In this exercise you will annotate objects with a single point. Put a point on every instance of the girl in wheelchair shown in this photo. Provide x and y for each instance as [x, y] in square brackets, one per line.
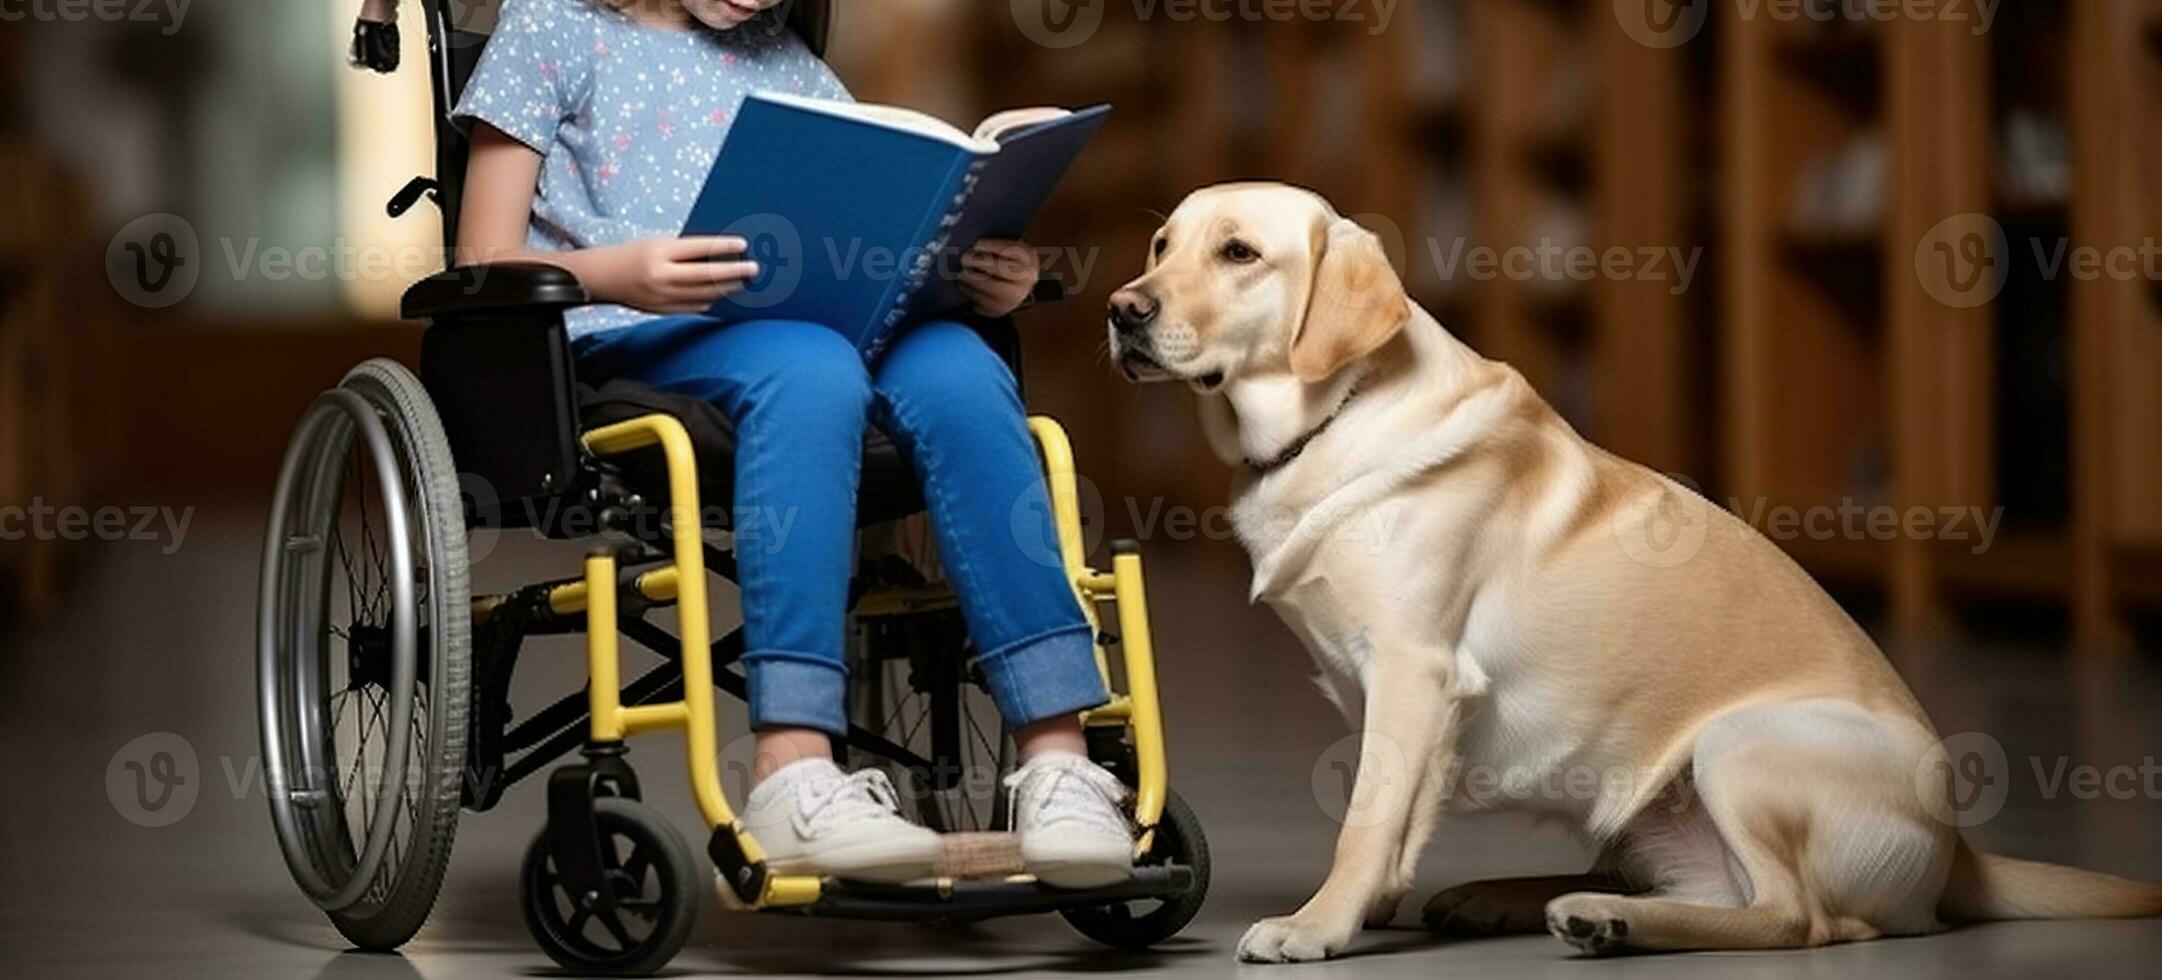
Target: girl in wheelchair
[593, 122]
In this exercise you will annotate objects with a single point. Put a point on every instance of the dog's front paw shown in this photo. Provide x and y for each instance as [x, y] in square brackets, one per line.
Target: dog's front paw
[1291, 939]
[1593, 923]
[1382, 910]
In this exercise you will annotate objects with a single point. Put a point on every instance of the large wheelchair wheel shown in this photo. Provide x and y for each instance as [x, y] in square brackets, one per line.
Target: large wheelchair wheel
[363, 645]
[652, 901]
[919, 688]
[1141, 924]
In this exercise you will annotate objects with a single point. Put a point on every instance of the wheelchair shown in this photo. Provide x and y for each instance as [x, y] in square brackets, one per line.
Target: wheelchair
[385, 685]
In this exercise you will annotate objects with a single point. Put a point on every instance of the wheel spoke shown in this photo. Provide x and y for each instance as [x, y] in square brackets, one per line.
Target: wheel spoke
[352, 578]
[615, 928]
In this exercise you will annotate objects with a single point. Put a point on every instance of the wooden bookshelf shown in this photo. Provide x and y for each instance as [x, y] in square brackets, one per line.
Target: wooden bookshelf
[1812, 362]
[1843, 384]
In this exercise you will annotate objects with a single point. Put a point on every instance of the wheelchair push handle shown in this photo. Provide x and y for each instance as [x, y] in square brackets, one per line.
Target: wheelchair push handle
[375, 37]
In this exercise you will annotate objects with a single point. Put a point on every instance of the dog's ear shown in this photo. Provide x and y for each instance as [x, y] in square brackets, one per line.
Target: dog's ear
[1358, 304]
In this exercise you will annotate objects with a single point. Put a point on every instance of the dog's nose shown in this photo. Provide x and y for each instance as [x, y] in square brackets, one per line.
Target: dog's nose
[1132, 310]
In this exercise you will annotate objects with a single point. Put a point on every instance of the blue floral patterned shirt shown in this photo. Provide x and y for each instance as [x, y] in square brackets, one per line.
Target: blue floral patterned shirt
[627, 117]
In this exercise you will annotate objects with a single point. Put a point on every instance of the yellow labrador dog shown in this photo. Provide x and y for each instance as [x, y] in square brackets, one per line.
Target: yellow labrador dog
[1515, 618]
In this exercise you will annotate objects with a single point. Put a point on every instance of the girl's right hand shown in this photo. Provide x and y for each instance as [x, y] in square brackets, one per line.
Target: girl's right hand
[668, 275]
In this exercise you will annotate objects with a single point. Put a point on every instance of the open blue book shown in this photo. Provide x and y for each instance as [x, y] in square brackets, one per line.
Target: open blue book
[858, 214]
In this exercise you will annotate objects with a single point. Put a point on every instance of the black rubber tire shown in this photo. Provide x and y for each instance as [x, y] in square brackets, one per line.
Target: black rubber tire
[1179, 840]
[390, 385]
[394, 908]
[674, 909]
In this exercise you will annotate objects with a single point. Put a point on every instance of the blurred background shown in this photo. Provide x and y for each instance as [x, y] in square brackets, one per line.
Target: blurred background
[1881, 279]
[1825, 259]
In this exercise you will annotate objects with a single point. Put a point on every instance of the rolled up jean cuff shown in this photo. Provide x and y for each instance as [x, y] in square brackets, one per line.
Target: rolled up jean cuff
[796, 690]
[1044, 676]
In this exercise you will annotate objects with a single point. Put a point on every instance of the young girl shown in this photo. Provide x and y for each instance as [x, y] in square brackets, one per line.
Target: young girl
[594, 123]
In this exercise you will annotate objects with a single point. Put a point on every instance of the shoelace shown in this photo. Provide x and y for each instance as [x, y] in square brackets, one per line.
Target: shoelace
[864, 795]
[1077, 791]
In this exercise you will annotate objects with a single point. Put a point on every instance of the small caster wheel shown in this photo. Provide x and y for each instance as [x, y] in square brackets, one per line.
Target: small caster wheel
[1141, 924]
[651, 878]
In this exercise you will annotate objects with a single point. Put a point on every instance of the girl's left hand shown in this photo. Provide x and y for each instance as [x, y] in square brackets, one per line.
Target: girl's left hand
[999, 275]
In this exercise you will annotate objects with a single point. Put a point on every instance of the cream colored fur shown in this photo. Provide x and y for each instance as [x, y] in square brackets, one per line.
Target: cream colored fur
[1490, 597]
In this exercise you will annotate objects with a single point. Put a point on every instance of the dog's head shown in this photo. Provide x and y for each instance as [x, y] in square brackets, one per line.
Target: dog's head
[1248, 280]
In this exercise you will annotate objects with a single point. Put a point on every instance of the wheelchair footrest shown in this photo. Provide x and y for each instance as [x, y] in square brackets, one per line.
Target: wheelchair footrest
[979, 855]
[985, 899]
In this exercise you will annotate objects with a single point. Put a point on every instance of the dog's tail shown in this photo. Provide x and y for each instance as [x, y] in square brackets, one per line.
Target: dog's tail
[1985, 887]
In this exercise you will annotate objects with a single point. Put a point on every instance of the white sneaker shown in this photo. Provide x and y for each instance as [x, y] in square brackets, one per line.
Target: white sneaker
[1072, 821]
[813, 819]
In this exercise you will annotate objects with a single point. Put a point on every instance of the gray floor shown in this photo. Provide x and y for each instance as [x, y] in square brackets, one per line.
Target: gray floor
[154, 643]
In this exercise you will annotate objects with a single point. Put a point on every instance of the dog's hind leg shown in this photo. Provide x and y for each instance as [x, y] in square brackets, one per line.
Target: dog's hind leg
[1815, 803]
[1505, 906]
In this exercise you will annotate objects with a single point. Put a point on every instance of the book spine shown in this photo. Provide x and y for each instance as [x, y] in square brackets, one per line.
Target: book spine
[926, 261]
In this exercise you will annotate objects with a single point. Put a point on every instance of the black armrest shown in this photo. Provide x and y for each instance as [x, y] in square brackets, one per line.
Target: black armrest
[508, 287]
[1048, 290]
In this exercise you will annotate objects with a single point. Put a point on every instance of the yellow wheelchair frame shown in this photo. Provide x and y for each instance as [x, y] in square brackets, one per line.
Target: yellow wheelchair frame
[683, 582]
[497, 399]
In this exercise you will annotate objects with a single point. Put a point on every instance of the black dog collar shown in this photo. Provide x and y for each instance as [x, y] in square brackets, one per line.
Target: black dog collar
[1291, 450]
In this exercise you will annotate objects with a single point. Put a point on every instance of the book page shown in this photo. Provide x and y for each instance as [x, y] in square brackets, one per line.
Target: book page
[892, 117]
[1001, 123]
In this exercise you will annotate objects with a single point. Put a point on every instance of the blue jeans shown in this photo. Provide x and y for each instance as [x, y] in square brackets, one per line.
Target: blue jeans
[800, 396]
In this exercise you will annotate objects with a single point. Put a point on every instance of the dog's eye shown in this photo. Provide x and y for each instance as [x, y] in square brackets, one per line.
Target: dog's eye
[1163, 244]
[1240, 252]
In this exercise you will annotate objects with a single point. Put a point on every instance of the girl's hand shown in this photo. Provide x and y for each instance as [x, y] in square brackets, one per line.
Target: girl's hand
[667, 275]
[999, 276]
